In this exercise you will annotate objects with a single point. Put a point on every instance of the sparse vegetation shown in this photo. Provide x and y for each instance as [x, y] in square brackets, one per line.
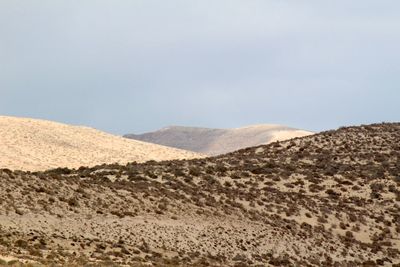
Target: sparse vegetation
[331, 199]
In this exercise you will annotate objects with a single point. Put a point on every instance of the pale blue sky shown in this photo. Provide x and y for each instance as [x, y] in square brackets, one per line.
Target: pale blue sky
[134, 66]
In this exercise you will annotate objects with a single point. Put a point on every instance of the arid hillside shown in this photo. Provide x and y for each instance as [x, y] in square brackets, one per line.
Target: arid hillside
[330, 199]
[214, 142]
[31, 144]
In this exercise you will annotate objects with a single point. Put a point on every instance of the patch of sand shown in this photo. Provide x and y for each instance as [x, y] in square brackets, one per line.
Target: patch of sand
[287, 134]
[32, 144]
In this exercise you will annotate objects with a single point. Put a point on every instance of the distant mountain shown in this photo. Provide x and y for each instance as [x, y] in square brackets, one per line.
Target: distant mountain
[218, 141]
[31, 144]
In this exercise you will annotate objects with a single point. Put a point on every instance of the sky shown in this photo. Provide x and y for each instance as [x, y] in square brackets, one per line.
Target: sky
[139, 65]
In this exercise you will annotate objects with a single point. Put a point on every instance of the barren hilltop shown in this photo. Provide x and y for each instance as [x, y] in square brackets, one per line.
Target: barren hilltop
[214, 142]
[32, 144]
[330, 199]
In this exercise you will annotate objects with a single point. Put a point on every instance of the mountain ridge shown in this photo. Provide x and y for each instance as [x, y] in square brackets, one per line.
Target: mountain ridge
[214, 141]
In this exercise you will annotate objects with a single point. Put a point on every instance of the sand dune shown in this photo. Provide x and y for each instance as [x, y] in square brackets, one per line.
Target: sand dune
[219, 141]
[31, 144]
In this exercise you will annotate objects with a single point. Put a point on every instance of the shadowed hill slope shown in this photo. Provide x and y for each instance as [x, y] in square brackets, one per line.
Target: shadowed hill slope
[330, 199]
[31, 144]
[218, 141]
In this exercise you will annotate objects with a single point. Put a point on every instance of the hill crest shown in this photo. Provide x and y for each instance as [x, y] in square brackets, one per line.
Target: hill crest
[33, 144]
[216, 141]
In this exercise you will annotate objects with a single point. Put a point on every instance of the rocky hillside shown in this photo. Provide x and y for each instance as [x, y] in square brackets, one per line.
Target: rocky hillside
[331, 199]
[218, 141]
[31, 144]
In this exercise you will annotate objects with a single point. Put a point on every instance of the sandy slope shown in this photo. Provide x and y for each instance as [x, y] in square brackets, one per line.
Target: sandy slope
[254, 135]
[219, 141]
[31, 144]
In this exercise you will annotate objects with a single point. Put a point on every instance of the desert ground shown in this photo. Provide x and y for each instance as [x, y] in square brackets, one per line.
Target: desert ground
[329, 199]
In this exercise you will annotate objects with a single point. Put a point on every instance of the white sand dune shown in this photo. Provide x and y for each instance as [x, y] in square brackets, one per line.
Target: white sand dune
[32, 144]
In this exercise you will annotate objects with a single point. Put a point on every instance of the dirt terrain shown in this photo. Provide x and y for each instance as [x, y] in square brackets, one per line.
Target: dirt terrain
[215, 142]
[330, 199]
[37, 145]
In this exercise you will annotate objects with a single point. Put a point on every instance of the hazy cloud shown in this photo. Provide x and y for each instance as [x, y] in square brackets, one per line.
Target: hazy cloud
[133, 66]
